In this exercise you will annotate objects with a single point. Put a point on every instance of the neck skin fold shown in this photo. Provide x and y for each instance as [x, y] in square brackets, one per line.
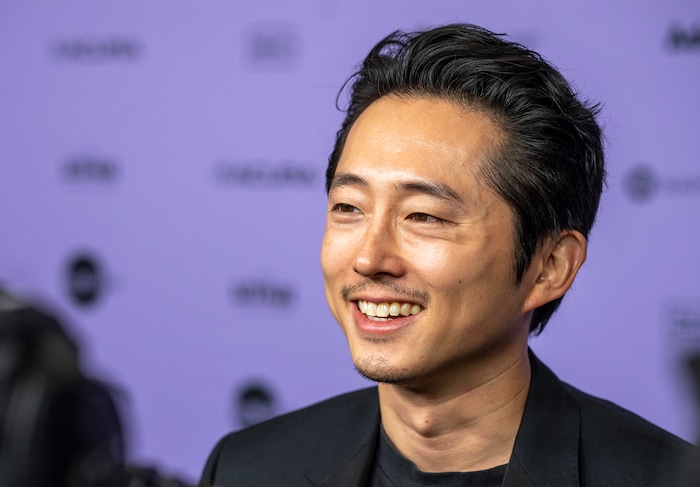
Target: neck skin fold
[466, 426]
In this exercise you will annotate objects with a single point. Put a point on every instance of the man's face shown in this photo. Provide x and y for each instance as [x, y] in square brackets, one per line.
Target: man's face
[417, 254]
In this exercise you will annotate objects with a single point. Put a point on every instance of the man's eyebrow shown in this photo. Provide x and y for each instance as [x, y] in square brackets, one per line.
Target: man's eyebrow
[346, 179]
[431, 188]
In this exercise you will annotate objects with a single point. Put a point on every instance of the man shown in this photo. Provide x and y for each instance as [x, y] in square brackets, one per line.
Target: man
[461, 190]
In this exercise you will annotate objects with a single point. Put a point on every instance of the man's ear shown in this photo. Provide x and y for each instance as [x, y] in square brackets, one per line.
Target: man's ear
[556, 265]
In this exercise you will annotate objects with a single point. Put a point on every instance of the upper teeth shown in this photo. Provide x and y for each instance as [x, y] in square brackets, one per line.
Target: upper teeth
[383, 310]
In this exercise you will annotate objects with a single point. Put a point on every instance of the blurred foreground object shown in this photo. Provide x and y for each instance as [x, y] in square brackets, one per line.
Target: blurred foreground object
[58, 428]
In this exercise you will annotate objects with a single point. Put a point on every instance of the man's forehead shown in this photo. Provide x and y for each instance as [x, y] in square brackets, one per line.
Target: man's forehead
[427, 145]
[428, 120]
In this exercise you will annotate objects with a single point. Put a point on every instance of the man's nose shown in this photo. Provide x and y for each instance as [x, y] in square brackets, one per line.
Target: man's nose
[378, 253]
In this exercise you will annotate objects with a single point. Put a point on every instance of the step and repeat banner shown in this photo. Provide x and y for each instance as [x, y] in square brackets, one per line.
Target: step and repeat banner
[161, 190]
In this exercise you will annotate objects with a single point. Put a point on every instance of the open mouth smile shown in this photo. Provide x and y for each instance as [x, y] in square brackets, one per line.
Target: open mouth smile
[387, 311]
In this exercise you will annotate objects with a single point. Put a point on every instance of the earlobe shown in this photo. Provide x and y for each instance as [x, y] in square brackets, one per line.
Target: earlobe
[561, 258]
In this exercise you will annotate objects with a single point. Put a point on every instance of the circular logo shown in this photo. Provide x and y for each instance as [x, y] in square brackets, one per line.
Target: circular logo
[253, 403]
[84, 276]
[641, 184]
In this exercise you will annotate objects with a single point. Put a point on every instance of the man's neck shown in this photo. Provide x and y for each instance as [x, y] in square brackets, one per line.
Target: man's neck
[469, 425]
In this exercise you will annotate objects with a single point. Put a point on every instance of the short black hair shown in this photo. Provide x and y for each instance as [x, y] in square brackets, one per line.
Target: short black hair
[550, 166]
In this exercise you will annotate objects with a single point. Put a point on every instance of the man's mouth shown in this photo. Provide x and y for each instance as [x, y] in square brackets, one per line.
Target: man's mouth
[387, 311]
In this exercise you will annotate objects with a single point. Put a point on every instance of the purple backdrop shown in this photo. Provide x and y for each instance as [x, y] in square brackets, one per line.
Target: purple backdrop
[161, 187]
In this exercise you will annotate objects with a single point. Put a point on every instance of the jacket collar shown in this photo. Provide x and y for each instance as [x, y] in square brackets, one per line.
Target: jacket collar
[546, 451]
[351, 444]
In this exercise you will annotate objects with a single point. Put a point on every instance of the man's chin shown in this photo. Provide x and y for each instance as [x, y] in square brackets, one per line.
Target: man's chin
[383, 374]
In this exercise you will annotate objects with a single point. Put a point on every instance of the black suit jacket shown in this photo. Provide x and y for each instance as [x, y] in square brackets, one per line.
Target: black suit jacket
[566, 438]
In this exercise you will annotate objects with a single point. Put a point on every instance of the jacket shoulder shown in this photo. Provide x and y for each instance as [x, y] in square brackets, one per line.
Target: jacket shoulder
[616, 441]
[568, 437]
[277, 451]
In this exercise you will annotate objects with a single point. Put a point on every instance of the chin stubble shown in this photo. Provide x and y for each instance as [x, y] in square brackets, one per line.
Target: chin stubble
[382, 373]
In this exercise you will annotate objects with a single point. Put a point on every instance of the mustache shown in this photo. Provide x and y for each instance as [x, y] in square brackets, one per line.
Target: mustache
[410, 293]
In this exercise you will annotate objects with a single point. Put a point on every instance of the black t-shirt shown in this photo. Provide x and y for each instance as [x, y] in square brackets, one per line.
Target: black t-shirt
[391, 469]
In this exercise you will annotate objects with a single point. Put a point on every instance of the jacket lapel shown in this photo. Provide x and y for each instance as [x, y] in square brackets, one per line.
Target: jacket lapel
[546, 448]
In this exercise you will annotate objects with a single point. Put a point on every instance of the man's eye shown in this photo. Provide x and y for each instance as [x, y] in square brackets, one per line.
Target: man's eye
[424, 218]
[345, 208]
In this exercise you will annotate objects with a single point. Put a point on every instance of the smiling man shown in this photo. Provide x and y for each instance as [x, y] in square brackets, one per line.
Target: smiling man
[461, 191]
